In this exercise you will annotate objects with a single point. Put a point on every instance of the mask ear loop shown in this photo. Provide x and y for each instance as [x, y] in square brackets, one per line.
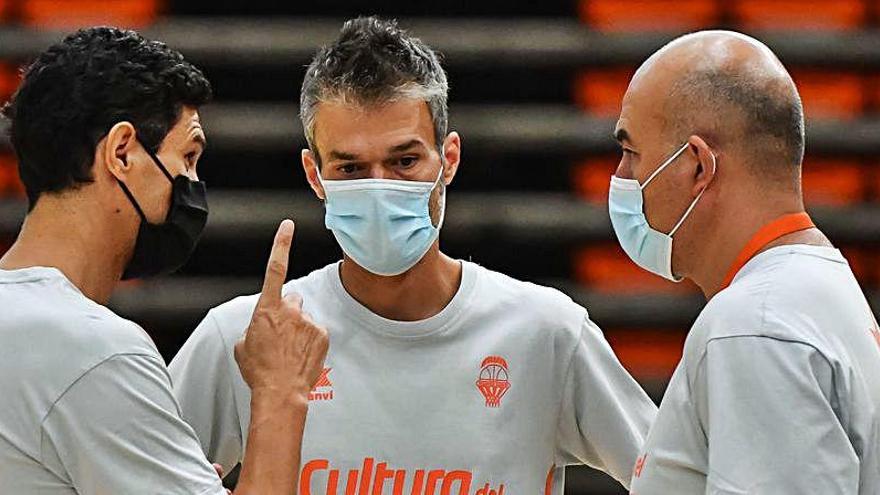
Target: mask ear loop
[131, 199]
[160, 165]
[442, 199]
[128, 193]
[694, 202]
[664, 165]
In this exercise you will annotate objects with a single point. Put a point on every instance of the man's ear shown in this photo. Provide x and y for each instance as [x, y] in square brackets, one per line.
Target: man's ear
[117, 147]
[452, 156]
[310, 165]
[708, 163]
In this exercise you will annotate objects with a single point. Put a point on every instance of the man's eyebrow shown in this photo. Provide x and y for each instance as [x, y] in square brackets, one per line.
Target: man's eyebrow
[412, 143]
[341, 155]
[620, 135]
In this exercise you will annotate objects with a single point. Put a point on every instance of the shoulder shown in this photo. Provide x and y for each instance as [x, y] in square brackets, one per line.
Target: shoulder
[543, 307]
[64, 341]
[782, 294]
[42, 302]
[84, 331]
[775, 290]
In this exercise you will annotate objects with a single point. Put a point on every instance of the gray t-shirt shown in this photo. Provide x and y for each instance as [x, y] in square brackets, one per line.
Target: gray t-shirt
[495, 394]
[87, 406]
[778, 391]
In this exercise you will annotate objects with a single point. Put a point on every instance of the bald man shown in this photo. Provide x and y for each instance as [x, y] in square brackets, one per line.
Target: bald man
[778, 390]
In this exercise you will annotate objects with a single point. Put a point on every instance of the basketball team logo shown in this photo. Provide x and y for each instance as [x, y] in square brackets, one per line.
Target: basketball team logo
[494, 380]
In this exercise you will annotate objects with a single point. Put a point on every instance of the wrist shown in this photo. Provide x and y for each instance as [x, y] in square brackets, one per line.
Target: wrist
[272, 398]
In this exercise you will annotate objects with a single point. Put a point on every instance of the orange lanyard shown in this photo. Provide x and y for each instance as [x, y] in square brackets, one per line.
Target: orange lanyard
[783, 225]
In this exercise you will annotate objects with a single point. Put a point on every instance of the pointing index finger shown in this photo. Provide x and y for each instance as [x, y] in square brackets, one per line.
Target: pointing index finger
[276, 268]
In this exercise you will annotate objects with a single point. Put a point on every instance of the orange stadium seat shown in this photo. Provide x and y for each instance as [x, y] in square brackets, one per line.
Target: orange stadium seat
[834, 182]
[61, 14]
[649, 15]
[592, 176]
[874, 178]
[606, 268]
[832, 94]
[799, 14]
[10, 185]
[6, 7]
[8, 80]
[600, 91]
[861, 262]
[648, 354]
[874, 86]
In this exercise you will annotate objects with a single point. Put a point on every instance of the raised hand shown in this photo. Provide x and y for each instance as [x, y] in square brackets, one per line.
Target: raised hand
[282, 351]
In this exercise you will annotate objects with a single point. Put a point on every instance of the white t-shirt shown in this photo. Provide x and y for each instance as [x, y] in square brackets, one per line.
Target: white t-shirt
[778, 391]
[495, 394]
[87, 406]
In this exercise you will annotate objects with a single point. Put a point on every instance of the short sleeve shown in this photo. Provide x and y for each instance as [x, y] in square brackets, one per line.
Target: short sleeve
[766, 407]
[202, 377]
[117, 429]
[605, 414]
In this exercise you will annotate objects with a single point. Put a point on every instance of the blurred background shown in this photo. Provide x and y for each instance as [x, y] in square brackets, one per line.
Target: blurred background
[536, 87]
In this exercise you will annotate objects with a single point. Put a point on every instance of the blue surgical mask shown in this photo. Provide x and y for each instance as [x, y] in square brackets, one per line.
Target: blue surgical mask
[648, 248]
[383, 225]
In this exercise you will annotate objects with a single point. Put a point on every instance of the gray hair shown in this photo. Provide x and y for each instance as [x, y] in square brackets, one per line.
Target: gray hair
[771, 114]
[373, 61]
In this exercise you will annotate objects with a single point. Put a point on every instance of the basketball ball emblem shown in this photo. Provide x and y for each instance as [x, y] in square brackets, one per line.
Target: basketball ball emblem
[494, 380]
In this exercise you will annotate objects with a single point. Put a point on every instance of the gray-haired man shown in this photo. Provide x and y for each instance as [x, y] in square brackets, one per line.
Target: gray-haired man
[444, 377]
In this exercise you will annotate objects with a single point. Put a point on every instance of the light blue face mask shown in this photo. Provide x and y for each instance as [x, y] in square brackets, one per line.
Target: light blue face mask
[648, 248]
[383, 225]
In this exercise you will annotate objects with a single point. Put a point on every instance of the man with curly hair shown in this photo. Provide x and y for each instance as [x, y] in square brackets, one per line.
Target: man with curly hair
[106, 129]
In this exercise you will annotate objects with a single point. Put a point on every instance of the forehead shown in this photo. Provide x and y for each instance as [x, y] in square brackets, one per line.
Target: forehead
[187, 126]
[644, 107]
[358, 128]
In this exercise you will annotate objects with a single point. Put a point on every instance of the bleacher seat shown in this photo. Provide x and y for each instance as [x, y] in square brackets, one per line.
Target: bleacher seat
[873, 177]
[600, 91]
[8, 80]
[649, 15]
[834, 182]
[592, 176]
[835, 94]
[606, 268]
[647, 353]
[860, 260]
[767, 15]
[66, 14]
[6, 9]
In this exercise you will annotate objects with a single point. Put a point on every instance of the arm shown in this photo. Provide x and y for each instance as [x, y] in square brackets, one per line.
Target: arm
[280, 357]
[766, 407]
[272, 458]
[605, 414]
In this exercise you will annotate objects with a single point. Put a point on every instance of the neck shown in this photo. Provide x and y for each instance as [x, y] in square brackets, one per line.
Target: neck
[419, 293]
[70, 235]
[714, 254]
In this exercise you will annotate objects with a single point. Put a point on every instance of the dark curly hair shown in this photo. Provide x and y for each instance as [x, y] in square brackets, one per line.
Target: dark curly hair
[77, 89]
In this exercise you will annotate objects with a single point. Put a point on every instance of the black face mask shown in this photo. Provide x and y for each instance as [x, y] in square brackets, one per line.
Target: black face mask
[163, 248]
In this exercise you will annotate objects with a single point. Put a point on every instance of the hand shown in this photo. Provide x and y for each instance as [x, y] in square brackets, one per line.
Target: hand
[282, 352]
